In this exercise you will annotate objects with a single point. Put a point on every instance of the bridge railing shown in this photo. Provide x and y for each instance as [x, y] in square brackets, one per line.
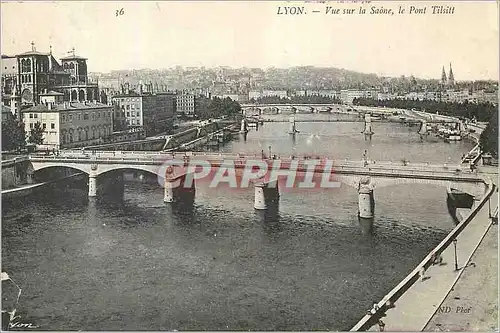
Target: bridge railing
[14, 160]
[232, 156]
[359, 165]
[385, 304]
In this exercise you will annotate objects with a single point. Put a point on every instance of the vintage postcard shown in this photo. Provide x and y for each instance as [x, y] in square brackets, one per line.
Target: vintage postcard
[249, 165]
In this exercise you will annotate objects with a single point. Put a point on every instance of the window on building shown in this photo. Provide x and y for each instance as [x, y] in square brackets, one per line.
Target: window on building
[31, 115]
[128, 107]
[70, 117]
[31, 125]
[35, 115]
[63, 118]
[128, 114]
[133, 114]
[44, 125]
[52, 126]
[85, 116]
[133, 121]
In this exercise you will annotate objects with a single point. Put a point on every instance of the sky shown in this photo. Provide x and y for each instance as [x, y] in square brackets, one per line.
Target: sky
[166, 34]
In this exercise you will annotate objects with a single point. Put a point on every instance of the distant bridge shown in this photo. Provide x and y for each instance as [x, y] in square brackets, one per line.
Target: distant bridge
[407, 116]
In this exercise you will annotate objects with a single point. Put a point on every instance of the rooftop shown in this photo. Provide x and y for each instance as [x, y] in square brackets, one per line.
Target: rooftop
[33, 53]
[67, 106]
[73, 57]
[130, 94]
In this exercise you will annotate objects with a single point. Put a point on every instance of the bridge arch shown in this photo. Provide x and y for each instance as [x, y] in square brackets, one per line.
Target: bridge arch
[103, 169]
[38, 168]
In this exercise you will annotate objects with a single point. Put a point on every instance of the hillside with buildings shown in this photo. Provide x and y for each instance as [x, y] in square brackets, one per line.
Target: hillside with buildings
[75, 107]
[247, 84]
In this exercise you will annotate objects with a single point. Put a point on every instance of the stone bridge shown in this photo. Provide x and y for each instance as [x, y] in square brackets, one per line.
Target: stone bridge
[179, 180]
[381, 174]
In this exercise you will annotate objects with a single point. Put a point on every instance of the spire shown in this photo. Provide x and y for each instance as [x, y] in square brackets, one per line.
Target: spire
[33, 46]
[50, 47]
[451, 79]
[443, 77]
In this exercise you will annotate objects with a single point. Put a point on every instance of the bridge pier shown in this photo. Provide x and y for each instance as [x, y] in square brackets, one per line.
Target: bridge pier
[168, 195]
[266, 195]
[366, 201]
[176, 189]
[92, 185]
[292, 127]
[243, 128]
[424, 130]
[30, 176]
[366, 205]
[368, 127]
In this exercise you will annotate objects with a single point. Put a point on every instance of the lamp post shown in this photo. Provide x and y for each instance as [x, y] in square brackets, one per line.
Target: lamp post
[456, 260]
[489, 208]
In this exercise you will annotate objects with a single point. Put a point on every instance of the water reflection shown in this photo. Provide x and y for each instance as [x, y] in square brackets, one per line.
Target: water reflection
[269, 216]
[366, 225]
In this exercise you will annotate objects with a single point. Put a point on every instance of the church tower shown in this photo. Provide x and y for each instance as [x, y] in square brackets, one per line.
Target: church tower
[444, 81]
[451, 79]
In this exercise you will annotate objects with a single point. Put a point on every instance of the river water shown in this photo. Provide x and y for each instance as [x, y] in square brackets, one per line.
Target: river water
[129, 262]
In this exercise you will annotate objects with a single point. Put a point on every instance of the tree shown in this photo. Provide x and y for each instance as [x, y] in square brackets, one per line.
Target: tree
[13, 135]
[36, 134]
[216, 107]
[150, 126]
[489, 137]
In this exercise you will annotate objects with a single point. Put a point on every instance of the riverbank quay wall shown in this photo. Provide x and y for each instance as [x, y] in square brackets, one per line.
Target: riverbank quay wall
[28, 189]
[389, 300]
[167, 142]
[15, 172]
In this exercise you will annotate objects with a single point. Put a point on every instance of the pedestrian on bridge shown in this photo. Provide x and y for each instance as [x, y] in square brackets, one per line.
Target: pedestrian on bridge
[381, 325]
[422, 274]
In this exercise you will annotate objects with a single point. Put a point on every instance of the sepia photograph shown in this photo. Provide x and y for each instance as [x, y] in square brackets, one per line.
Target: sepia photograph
[249, 165]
